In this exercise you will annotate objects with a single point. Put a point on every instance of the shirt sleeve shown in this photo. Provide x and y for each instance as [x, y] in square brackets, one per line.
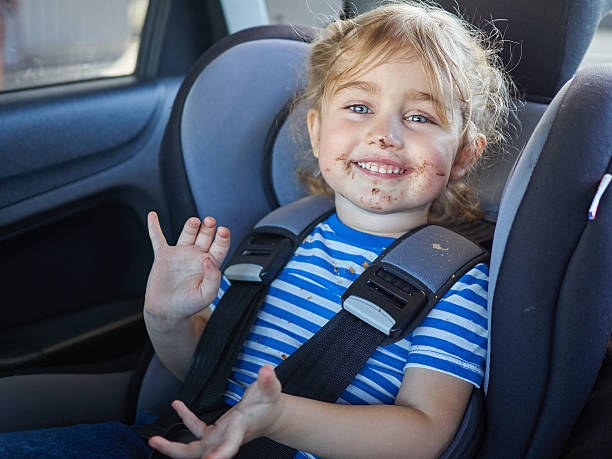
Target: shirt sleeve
[223, 286]
[453, 337]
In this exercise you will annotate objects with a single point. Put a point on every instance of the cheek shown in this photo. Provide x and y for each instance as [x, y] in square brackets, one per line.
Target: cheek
[334, 164]
[433, 172]
[428, 180]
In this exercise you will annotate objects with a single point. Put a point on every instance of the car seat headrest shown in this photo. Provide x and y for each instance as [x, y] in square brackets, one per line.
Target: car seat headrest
[286, 152]
[544, 41]
[212, 159]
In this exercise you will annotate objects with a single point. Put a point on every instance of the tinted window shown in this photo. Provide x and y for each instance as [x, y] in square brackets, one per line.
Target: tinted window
[241, 14]
[600, 50]
[46, 42]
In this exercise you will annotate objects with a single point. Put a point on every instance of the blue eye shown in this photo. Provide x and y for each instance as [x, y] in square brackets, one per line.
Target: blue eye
[359, 108]
[417, 118]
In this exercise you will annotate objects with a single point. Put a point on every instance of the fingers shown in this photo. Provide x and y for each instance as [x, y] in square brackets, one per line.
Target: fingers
[220, 246]
[227, 449]
[155, 232]
[206, 234]
[176, 449]
[211, 279]
[193, 423]
[190, 231]
[201, 235]
[267, 381]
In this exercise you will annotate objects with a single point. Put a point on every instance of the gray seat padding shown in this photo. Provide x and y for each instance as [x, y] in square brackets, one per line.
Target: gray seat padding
[550, 283]
[37, 401]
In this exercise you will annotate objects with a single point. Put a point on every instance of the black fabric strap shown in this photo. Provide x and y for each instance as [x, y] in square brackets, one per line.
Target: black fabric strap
[325, 365]
[321, 369]
[215, 354]
[231, 315]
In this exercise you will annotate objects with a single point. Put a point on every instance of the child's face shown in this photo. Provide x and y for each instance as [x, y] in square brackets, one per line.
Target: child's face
[380, 144]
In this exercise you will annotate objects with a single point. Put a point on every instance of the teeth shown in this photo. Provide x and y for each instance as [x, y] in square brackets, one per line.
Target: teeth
[382, 169]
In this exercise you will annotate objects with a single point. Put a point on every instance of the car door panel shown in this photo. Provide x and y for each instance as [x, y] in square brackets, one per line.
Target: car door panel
[48, 143]
[75, 187]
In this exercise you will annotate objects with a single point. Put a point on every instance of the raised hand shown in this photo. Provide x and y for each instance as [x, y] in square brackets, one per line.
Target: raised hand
[185, 278]
[254, 416]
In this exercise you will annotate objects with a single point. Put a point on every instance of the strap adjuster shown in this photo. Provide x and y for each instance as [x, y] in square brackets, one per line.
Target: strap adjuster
[259, 258]
[385, 298]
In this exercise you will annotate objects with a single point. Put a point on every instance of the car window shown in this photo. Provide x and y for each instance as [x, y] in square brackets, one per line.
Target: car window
[241, 14]
[45, 42]
[600, 50]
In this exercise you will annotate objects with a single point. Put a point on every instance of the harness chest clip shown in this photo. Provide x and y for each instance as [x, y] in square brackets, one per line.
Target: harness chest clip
[385, 298]
[259, 258]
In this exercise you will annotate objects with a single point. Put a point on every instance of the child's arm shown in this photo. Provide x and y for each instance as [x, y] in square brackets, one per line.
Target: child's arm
[428, 410]
[183, 282]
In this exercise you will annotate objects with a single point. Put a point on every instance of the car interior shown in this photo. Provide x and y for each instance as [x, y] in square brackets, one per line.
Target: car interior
[83, 163]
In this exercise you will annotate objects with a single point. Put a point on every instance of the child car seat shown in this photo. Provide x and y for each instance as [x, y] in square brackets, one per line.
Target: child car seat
[199, 143]
[540, 368]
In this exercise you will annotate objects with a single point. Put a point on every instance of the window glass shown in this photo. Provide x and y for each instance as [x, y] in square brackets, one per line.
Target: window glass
[600, 50]
[45, 42]
[241, 14]
[310, 12]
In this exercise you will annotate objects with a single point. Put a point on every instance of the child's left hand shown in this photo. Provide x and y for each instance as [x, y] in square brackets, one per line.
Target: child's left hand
[255, 416]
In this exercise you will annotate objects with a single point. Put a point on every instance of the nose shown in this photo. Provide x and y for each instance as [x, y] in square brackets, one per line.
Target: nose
[385, 133]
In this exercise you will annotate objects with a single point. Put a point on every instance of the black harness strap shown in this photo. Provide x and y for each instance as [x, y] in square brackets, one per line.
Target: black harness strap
[325, 365]
[215, 354]
[320, 369]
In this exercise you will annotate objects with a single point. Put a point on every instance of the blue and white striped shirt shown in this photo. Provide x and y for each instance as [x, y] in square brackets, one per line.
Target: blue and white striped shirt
[306, 294]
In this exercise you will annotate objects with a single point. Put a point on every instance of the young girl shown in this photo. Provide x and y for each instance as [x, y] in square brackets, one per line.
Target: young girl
[403, 101]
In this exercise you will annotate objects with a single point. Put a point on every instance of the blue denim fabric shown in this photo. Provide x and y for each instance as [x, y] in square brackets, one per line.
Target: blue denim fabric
[107, 440]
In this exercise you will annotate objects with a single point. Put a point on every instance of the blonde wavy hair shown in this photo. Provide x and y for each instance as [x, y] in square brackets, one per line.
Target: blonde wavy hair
[462, 67]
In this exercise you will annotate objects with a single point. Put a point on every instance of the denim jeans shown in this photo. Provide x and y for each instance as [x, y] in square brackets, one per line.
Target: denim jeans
[107, 440]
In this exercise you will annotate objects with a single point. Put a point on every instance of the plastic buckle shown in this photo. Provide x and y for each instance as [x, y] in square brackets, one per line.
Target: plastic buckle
[259, 258]
[385, 298]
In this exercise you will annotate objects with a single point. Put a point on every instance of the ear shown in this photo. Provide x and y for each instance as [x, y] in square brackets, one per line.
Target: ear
[467, 156]
[314, 123]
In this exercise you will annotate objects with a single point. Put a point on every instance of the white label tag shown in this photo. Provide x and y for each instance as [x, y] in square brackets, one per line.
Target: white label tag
[603, 185]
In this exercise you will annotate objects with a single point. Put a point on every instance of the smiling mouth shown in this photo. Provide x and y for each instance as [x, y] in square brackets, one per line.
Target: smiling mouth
[381, 169]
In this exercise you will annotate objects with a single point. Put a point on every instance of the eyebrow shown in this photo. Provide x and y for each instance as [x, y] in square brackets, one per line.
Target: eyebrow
[413, 94]
[373, 88]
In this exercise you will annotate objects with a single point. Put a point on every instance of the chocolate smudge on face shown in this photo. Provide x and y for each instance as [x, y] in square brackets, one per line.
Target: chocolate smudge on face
[347, 165]
[375, 190]
[423, 167]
